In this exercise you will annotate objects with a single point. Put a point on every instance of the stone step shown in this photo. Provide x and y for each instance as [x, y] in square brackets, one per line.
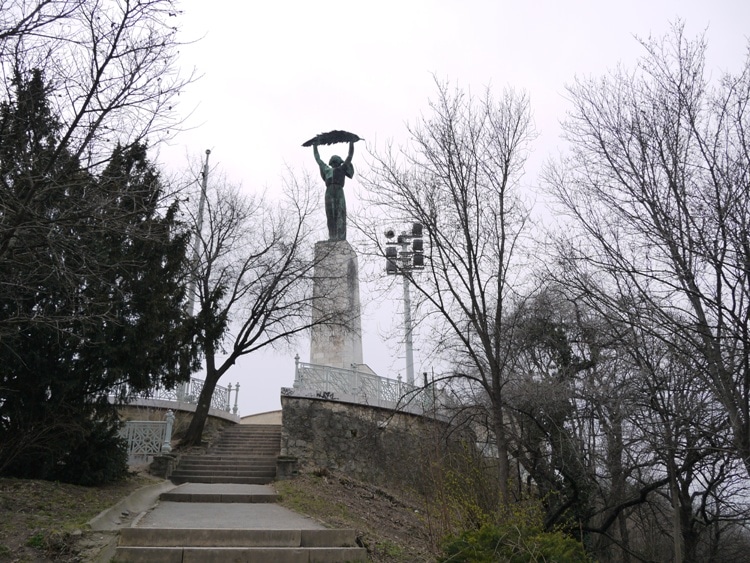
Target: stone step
[201, 493]
[239, 440]
[220, 466]
[226, 471]
[243, 430]
[244, 452]
[247, 443]
[252, 430]
[226, 458]
[225, 468]
[237, 432]
[243, 443]
[240, 555]
[218, 477]
[261, 430]
[249, 439]
[179, 479]
[239, 456]
[233, 537]
[229, 456]
[256, 443]
[250, 435]
[233, 432]
[177, 496]
[191, 474]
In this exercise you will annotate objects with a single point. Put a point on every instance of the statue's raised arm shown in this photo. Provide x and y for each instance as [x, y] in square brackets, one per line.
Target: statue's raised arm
[324, 168]
[317, 156]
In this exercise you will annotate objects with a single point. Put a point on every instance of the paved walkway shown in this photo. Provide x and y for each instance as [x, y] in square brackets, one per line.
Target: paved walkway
[239, 507]
[195, 507]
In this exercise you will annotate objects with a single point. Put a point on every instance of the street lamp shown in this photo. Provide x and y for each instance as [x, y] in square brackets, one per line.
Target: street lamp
[404, 255]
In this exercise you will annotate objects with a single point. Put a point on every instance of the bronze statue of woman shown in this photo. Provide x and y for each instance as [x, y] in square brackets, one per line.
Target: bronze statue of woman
[334, 174]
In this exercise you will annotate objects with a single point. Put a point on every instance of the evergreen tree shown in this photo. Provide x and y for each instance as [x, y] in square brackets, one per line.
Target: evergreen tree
[90, 294]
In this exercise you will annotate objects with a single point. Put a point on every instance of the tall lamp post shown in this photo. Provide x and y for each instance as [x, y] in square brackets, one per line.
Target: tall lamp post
[197, 241]
[184, 388]
[403, 255]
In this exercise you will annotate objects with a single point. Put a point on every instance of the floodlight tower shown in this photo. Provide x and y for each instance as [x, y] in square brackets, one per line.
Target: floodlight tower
[404, 255]
[192, 289]
[183, 388]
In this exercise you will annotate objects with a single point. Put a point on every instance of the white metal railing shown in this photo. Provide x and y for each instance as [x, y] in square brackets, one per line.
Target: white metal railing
[188, 392]
[148, 437]
[356, 386]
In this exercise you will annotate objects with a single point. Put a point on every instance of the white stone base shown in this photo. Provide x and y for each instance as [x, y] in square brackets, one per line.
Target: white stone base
[336, 338]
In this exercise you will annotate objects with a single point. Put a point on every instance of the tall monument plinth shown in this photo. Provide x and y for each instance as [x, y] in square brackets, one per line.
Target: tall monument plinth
[336, 339]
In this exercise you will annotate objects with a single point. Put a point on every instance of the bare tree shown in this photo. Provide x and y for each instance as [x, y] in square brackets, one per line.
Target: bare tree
[254, 278]
[22, 18]
[606, 418]
[112, 76]
[656, 181]
[457, 177]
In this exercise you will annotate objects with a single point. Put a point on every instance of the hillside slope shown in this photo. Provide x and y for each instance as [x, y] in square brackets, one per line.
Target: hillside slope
[392, 526]
[41, 521]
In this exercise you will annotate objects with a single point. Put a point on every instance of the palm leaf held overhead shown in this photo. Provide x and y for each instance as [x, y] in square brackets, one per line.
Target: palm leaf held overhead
[332, 138]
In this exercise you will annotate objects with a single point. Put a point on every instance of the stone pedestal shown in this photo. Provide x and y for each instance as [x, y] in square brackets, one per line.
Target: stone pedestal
[336, 339]
[163, 465]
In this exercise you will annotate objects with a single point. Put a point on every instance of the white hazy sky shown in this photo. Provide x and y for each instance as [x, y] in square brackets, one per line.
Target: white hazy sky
[276, 73]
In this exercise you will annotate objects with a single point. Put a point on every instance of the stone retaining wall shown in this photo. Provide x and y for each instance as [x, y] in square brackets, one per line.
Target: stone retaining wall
[368, 443]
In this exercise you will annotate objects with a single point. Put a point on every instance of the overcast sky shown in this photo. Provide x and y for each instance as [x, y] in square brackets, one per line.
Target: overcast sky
[274, 74]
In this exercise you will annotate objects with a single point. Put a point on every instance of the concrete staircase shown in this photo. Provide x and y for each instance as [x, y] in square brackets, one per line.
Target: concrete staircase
[244, 454]
[224, 512]
[207, 523]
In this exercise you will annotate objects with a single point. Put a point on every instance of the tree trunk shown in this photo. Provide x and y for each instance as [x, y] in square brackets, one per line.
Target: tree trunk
[615, 454]
[690, 537]
[674, 491]
[194, 433]
[501, 440]
[624, 537]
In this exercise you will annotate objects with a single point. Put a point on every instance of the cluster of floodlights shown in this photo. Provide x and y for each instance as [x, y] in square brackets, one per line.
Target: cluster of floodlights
[411, 255]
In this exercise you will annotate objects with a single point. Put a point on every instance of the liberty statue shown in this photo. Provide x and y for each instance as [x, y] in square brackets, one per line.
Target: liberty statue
[334, 174]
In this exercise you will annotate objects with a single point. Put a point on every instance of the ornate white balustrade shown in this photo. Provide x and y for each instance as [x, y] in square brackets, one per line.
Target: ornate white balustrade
[148, 437]
[365, 388]
[189, 392]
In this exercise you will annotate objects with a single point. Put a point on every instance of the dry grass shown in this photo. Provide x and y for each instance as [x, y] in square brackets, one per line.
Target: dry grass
[388, 523]
[44, 521]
